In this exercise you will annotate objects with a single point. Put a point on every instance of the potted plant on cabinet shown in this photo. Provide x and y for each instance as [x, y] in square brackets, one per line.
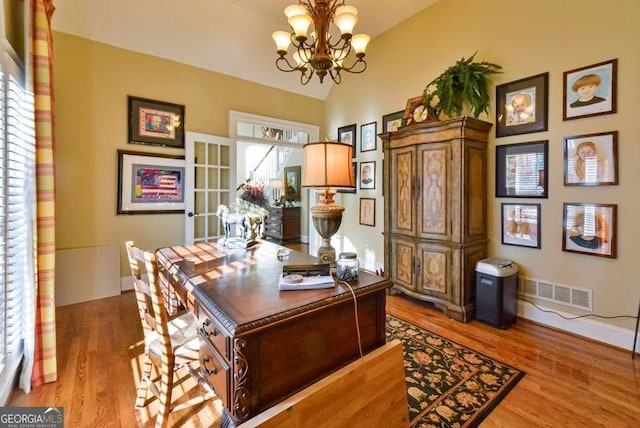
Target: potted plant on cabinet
[466, 83]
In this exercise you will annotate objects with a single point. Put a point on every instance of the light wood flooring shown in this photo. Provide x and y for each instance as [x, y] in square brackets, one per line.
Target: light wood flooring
[570, 382]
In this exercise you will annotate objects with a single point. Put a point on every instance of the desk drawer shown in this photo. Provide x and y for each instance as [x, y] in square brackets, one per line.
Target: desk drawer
[216, 371]
[211, 331]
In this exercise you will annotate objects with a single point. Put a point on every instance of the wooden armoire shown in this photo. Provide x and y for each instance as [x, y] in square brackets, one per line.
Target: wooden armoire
[435, 230]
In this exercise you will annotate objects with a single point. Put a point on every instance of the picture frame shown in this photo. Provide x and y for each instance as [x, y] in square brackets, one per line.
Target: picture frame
[368, 137]
[368, 211]
[521, 170]
[292, 183]
[591, 159]
[367, 175]
[155, 123]
[347, 135]
[590, 228]
[521, 225]
[354, 167]
[590, 91]
[393, 121]
[522, 106]
[150, 183]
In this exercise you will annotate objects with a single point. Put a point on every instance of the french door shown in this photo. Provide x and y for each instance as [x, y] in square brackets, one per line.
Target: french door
[210, 180]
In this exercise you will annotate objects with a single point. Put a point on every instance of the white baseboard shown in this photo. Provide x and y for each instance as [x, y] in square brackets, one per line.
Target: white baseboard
[592, 329]
[126, 283]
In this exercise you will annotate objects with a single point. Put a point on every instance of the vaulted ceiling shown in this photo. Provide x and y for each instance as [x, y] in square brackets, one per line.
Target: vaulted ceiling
[228, 36]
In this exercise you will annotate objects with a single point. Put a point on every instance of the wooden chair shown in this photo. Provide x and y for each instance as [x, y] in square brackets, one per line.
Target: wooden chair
[169, 344]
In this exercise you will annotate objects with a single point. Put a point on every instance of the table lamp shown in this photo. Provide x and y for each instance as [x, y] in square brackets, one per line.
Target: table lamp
[327, 165]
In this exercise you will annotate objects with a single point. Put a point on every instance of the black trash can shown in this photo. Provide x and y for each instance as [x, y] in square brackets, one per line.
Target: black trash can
[496, 291]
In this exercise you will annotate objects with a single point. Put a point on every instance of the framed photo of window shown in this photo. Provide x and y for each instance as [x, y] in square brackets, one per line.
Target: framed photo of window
[521, 225]
[590, 229]
[521, 170]
[368, 175]
[368, 211]
[591, 159]
[347, 135]
[150, 183]
[392, 121]
[590, 91]
[522, 106]
[156, 123]
[368, 137]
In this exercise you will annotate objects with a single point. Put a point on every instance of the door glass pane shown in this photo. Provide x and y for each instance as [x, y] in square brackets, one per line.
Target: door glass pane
[225, 156]
[213, 154]
[225, 179]
[198, 227]
[200, 177]
[199, 151]
[224, 198]
[213, 202]
[214, 222]
[200, 202]
[213, 177]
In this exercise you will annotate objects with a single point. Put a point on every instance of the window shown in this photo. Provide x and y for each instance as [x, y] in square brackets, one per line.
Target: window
[17, 218]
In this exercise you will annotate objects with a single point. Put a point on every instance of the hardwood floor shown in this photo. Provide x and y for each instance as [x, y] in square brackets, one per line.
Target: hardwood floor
[570, 382]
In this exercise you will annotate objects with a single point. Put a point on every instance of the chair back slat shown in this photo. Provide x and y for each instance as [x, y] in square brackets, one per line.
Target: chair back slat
[160, 312]
[141, 286]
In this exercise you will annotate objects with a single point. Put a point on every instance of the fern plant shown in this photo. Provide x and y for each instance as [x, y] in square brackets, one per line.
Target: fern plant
[465, 81]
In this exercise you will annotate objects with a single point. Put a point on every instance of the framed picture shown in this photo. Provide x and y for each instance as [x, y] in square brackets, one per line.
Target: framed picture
[521, 225]
[368, 137]
[150, 183]
[292, 177]
[354, 166]
[156, 123]
[521, 170]
[347, 135]
[368, 175]
[368, 211]
[591, 159]
[522, 106]
[392, 121]
[590, 91]
[590, 229]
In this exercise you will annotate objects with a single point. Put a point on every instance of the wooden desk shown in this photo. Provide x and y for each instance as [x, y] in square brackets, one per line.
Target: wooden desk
[260, 345]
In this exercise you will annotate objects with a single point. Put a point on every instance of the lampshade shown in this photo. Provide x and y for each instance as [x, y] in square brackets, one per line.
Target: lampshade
[328, 164]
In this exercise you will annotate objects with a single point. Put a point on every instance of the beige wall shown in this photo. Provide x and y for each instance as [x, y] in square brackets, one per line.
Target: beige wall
[526, 38]
[92, 81]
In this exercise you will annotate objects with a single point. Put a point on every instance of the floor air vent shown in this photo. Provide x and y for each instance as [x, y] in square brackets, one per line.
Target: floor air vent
[561, 294]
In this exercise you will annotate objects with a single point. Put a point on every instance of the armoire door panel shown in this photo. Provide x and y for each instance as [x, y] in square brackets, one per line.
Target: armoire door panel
[434, 200]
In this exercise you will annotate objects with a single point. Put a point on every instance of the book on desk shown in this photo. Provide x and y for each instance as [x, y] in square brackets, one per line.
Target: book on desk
[306, 277]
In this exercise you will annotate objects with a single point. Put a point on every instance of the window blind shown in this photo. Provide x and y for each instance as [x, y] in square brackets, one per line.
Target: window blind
[17, 217]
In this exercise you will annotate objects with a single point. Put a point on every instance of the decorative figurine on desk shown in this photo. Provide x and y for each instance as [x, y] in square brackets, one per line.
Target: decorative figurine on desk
[228, 219]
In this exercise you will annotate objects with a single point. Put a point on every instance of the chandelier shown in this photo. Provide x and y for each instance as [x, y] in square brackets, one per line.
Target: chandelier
[320, 52]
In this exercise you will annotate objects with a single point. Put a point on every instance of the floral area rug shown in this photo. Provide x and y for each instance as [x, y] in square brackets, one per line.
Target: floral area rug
[448, 385]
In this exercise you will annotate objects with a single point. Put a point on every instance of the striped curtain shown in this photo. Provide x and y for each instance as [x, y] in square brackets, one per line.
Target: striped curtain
[45, 363]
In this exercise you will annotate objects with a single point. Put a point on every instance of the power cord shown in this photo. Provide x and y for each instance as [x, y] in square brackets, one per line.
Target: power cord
[577, 316]
[355, 307]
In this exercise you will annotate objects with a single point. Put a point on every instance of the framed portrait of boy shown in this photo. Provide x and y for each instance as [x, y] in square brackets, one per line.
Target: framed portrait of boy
[589, 228]
[368, 211]
[347, 135]
[590, 91]
[522, 106]
[521, 225]
[591, 159]
[367, 175]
